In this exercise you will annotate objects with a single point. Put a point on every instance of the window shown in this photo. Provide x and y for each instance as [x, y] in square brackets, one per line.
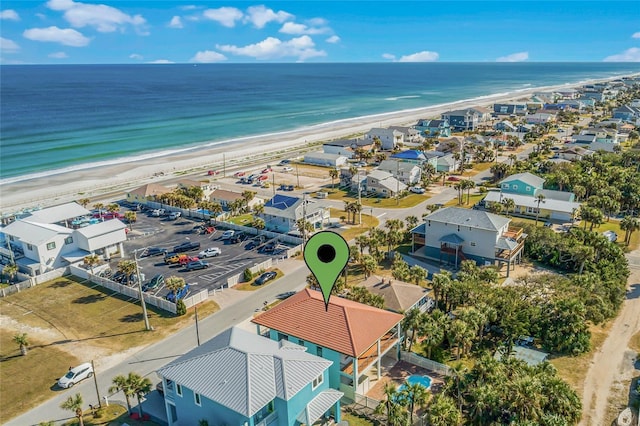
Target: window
[51, 246]
[301, 342]
[282, 337]
[514, 186]
[29, 247]
[10, 238]
[179, 389]
[505, 185]
[317, 381]
[528, 188]
[196, 399]
[319, 351]
[472, 244]
[68, 240]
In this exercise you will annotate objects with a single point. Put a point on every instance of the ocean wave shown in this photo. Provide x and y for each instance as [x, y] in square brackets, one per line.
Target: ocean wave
[396, 98]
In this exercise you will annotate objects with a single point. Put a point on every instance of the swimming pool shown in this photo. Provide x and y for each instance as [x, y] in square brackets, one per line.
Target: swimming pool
[421, 380]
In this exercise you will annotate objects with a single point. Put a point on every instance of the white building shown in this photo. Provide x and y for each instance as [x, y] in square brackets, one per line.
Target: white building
[49, 239]
[325, 160]
[405, 172]
[389, 138]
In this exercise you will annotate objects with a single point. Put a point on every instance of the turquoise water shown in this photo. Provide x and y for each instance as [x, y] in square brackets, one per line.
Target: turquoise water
[70, 117]
[421, 380]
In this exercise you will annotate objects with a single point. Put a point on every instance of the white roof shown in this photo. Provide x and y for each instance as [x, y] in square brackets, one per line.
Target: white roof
[102, 228]
[526, 201]
[58, 213]
[34, 233]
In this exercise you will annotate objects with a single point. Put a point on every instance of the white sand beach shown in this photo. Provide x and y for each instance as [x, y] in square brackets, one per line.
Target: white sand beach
[96, 182]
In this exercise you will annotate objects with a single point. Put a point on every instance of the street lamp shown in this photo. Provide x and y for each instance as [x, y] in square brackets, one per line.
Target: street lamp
[142, 302]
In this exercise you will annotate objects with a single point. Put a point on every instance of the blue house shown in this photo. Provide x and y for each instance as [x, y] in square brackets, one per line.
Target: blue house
[627, 113]
[522, 183]
[281, 213]
[353, 336]
[239, 378]
[411, 156]
[434, 128]
[464, 119]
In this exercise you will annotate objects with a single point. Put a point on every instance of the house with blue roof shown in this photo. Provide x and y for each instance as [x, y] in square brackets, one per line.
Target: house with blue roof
[410, 156]
[434, 128]
[240, 378]
[282, 212]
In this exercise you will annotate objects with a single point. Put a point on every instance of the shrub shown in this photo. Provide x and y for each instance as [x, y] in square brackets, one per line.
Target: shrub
[181, 308]
[247, 275]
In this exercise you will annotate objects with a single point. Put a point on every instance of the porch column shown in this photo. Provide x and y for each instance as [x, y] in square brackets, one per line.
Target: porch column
[508, 267]
[378, 359]
[336, 415]
[355, 374]
[457, 256]
[121, 247]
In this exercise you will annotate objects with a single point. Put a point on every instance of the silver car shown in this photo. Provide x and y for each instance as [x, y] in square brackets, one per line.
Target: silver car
[75, 375]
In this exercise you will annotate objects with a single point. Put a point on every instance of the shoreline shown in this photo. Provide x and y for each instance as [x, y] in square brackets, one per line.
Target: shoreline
[92, 180]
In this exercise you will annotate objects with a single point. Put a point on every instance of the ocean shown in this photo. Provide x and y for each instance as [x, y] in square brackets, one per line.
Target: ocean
[55, 117]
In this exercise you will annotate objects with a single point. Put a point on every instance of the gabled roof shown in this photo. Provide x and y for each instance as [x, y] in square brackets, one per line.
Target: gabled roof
[244, 371]
[399, 296]
[224, 195]
[34, 233]
[471, 218]
[410, 154]
[150, 189]
[347, 327]
[346, 143]
[58, 213]
[190, 182]
[392, 166]
[101, 228]
[528, 178]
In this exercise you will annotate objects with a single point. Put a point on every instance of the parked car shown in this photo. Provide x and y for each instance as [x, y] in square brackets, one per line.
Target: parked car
[228, 234]
[286, 295]
[119, 277]
[186, 246]
[182, 293]
[239, 174]
[262, 178]
[417, 190]
[267, 169]
[283, 162]
[188, 259]
[270, 246]
[175, 258]
[75, 375]
[156, 282]
[267, 276]
[238, 237]
[287, 169]
[251, 245]
[210, 252]
[158, 212]
[174, 215]
[196, 264]
[213, 172]
[154, 251]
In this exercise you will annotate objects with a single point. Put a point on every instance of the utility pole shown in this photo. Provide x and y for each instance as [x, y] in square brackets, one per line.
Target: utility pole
[95, 382]
[359, 198]
[273, 175]
[297, 175]
[397, 183]
[304, 217]
[224, 166]
[197, 329]
[142, 302]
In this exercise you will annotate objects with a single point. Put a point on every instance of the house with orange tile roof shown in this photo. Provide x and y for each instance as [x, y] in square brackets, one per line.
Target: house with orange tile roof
[352, 335]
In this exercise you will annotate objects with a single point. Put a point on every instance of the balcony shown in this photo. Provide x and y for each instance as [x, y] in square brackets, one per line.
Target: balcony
[513, 232]
[371, 355]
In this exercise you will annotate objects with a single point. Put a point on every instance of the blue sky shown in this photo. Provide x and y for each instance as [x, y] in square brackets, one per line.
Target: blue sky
[111, 31]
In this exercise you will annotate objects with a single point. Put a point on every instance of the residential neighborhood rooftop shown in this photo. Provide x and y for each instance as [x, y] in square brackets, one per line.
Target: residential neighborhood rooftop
[466, 217]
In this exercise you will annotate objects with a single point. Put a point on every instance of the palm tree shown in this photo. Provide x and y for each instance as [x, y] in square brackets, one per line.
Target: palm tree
[440, 283]
[175, 284]
[443, 412]
[468, 184]
[120, 383]
[91, 261]
[509, 204]
[368, 264]
[140, 387]
[539, 199]
[333, 174]
[411, 221]
[412, 321]
[11, 270]
[84, 202]
[99, 207]
[259, 224]
[127, 267]
[21, 340]
[74, 404]
[258, 209]
[131, 217]
[216, 209]
[629, 225]
[417, 273]
[414, 394]
[362, 241]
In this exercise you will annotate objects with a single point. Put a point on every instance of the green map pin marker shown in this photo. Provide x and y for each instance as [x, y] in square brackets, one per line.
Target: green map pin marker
[326, 254]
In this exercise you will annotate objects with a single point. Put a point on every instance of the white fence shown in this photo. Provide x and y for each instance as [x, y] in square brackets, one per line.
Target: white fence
[33, 281]
[196, 299]
[231, 281]
[416, 359]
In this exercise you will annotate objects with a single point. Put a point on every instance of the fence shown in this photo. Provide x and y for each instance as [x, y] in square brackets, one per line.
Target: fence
[196, 298]
[29, 282]
[231, 281]
[366, 402]
[419, 361]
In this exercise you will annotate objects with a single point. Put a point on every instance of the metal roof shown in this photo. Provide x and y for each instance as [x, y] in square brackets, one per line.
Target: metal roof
[101, 228]
[30, 232]
[451, 239]
[504, 243]
[282, 202]
[58, 213]
[410, 154]
[318, 406]
[528, 201]
[244, 371]
[467, 217]
[528, 178]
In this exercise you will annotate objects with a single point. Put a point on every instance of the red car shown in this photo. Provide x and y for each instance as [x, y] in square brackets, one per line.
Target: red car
[453, 179]
[240, 174]
[109, 216]
[267, 170]
[213, 172]
[184, 260]
[262, 177]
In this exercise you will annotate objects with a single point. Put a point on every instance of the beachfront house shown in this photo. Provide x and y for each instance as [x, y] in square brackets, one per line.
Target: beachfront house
[411, 135]
[406, 172]
[325, 160]
[206, 187]
[505, 126]
[146, 193]
[452, 234]
[224, 198]
[540, 118]
[434, 128]
[627, 113]
[399, 296]
[240, 378]
[343, 147]
[513, 108]
[389, 138]
[281, 213]
[383, 184]
[58, 236]
[463, 119]
[354, 336]
[524, 188]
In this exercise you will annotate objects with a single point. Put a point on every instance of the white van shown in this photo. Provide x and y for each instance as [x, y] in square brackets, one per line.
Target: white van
[228, 234]
[75, 375]
[174, 215]
[157, 212]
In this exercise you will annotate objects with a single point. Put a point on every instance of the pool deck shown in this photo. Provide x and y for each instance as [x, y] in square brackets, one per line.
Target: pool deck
[398, 373]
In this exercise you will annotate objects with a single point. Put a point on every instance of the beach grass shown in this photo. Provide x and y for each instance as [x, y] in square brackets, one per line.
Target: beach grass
[248, 286]
[69, 316]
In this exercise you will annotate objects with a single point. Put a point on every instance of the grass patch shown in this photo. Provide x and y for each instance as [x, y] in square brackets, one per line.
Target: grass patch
[106, 415]
[410, 200]
[348, 234]
[248, 286]
[573, 369]
[473, 199]
[634, 343]
[243, 219]
[356, 421]
[481, 167]
[72, 313]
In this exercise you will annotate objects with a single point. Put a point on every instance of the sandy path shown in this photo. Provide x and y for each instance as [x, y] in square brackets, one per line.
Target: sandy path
[607, 364]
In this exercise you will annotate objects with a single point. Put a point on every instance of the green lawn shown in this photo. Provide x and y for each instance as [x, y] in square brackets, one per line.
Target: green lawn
[243, 219]
[356, 421]
[410, 200]
[348, 234]
[473, 199]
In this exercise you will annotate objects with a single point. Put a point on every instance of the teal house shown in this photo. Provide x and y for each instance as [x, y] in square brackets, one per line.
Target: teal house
[242, 379]
[521, 183]
[353, 336]
[434, 128]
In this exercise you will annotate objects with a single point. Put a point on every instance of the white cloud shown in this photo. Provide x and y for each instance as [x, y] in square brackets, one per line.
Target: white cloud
[635, 35]
[176, 22]
[630, 55]
[189, 7]
[8, 46]
[136, 56]
[208, 57]
[41, 16]
[389, 56]
[424, 56]
[9, 14]
[160, 61]
[333, 39]
[226, 16]
[103, 18]
[273, 48]
[300, 29]
[67, 36]
[58, 55]
[514, 57]
[260, 16]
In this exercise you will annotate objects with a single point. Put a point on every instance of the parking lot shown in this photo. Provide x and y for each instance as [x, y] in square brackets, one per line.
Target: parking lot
[164, 233]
